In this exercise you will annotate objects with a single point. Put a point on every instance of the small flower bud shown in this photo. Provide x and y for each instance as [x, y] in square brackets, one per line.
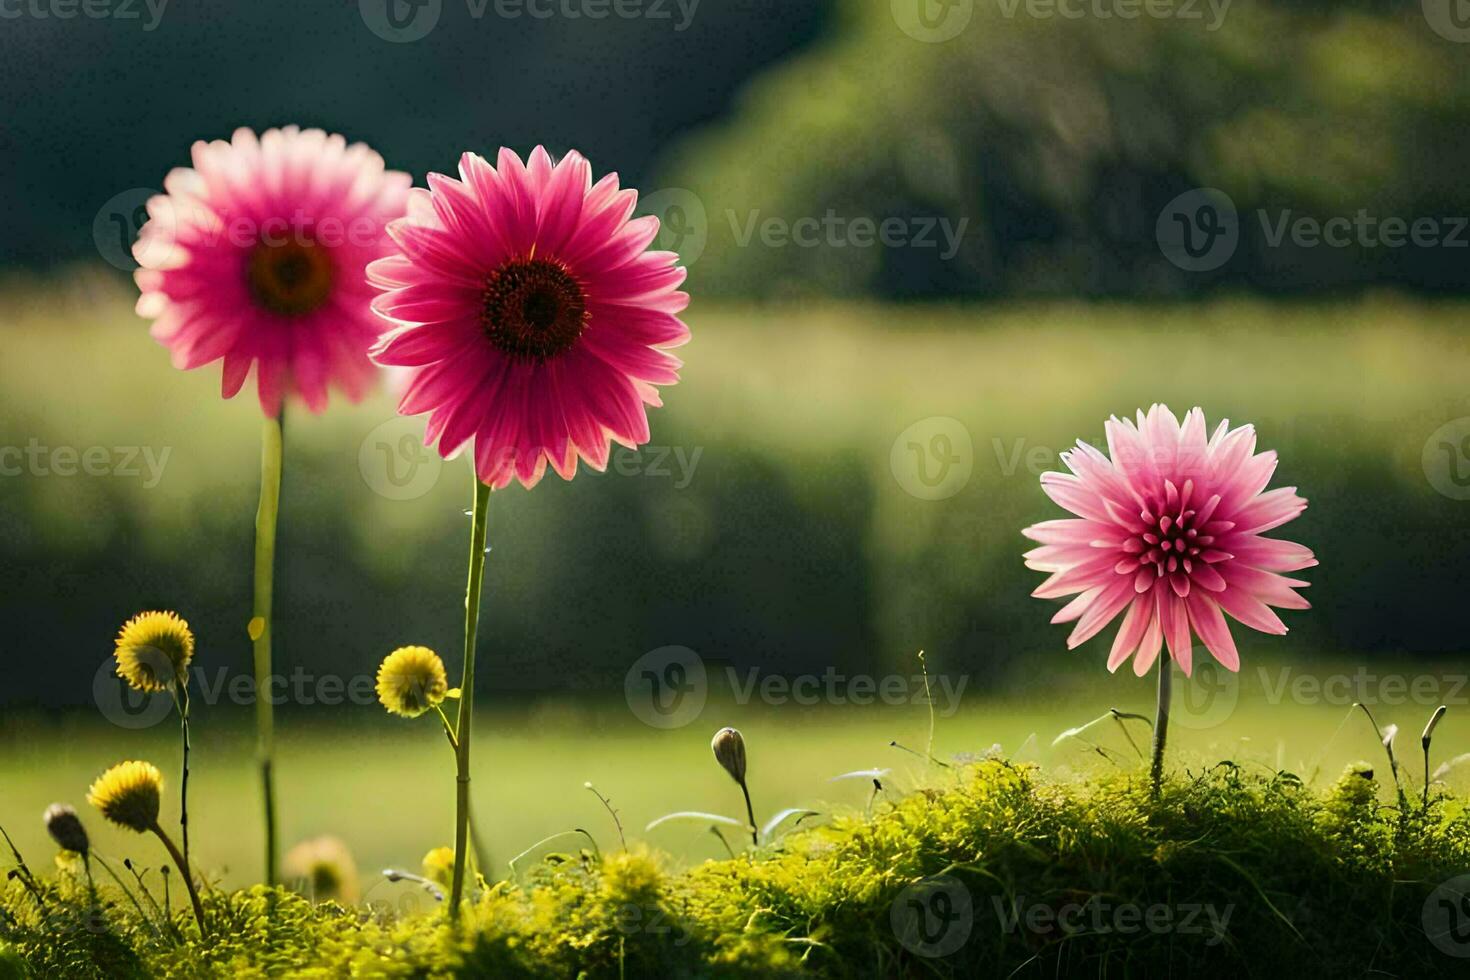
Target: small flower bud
[65, 827]
[729, 749]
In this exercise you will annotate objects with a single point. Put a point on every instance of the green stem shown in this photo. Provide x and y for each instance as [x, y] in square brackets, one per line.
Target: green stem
[467, 697]
[178, 859]
[750, 815]
[182, 703]
[125, 889]
[265, 560]
[1161, 723]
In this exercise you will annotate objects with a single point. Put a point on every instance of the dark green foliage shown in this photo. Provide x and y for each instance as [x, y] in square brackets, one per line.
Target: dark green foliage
[1229, 874]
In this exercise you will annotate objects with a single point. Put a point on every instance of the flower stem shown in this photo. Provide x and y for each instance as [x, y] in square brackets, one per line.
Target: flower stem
[467, 697]
[265, 559]
[183, 706]
[750, 814]
[1161, 724]
[178, 858]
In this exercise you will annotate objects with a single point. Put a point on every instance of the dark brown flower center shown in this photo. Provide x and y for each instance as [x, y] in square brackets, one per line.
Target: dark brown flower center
[290, 278]
[533, 309]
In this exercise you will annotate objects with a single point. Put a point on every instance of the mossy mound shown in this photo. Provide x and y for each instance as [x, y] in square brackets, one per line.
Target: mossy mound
[994, 871]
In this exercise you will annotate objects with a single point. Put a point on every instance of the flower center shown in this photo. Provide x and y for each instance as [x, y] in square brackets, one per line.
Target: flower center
[290, 278]
[533, 309]
[1170, 543]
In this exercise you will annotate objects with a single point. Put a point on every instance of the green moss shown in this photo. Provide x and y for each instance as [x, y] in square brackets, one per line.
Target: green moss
[994, 870]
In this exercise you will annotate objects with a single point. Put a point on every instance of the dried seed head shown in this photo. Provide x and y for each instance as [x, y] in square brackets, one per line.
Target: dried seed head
[1428, 734]
[729, 749]
[65, 827]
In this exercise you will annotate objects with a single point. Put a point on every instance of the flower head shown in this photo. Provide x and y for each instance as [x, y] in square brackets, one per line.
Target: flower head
[439, 865]
[153, 651]
[128, 795]
[411, 680]
[729, 748]
[1168, 532]
[256, 256]
[532, 317]
[65, 827]
[325, 867]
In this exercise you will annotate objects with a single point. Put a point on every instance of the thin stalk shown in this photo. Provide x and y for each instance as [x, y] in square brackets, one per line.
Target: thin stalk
[467, 696]
[1161, 724]
[125, 889]
[755, 837]
[181, 701]
[271, 440]
[178, 858]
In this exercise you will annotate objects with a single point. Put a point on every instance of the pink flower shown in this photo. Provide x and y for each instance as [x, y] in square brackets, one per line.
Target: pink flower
[1168, 532]
[531, 314]
[256, 256]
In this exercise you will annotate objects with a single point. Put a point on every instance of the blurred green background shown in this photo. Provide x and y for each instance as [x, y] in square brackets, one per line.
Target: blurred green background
[794, 513]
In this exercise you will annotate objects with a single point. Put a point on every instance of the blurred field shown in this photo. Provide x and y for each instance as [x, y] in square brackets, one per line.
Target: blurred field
[773, 526]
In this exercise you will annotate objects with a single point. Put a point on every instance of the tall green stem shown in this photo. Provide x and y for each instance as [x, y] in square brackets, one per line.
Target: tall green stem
[183, 706]
[1161, 723]
[265, 566]
[467, 697]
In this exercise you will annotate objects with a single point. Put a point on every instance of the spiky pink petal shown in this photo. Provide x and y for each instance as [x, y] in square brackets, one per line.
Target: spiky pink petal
[1168, 532]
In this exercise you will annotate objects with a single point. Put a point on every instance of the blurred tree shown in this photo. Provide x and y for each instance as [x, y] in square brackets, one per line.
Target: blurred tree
[1056, 142]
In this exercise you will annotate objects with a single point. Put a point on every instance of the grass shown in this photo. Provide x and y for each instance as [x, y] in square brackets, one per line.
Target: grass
[990, 868]
[534, 760]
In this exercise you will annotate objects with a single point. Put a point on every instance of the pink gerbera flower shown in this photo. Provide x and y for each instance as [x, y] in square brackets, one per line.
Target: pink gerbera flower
[256, 256]
[531, 314]
[1169, 533]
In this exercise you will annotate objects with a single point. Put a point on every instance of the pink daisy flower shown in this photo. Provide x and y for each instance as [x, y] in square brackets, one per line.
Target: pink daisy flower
[531, 314]
[255, 256]
[1168, 532]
